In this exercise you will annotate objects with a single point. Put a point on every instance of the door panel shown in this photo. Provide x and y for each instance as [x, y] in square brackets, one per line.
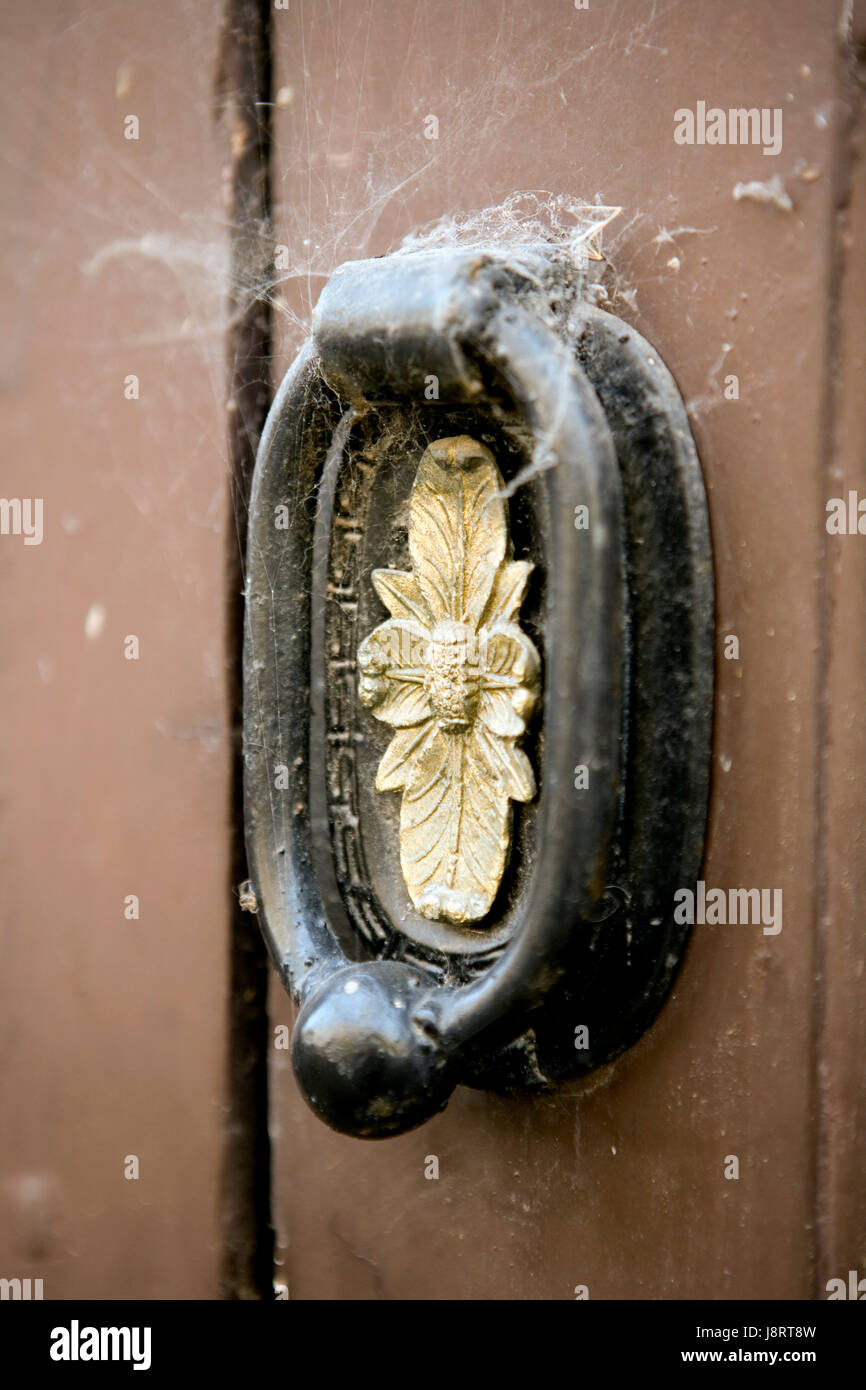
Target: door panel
[619, 1183]
[114, 770]
[116, 775]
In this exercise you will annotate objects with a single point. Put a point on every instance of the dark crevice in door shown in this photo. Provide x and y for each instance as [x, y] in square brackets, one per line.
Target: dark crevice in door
[849, 74]
[244, 111]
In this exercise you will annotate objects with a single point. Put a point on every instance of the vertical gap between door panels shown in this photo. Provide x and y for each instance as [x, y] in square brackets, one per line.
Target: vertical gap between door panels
[820, 1107]
[243, 96]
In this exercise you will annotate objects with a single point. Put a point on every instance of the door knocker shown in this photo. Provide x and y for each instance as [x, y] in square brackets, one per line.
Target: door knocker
[477, 686]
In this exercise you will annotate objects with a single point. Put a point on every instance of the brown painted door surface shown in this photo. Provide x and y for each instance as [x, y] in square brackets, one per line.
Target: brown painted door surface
[129, 258]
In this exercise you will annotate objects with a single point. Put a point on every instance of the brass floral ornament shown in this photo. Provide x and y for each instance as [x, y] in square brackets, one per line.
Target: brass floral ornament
[455, 675]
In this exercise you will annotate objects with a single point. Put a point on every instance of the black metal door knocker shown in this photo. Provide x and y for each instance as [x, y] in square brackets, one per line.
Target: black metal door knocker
[477, 686]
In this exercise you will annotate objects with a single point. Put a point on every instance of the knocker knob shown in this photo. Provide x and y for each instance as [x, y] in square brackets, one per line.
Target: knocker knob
[365, 1061]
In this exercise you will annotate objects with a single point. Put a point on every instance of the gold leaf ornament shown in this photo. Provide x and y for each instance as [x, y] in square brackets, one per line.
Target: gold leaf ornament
[456, 677]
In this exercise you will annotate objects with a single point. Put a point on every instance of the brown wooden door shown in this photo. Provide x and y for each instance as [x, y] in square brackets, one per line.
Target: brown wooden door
[746, 270]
